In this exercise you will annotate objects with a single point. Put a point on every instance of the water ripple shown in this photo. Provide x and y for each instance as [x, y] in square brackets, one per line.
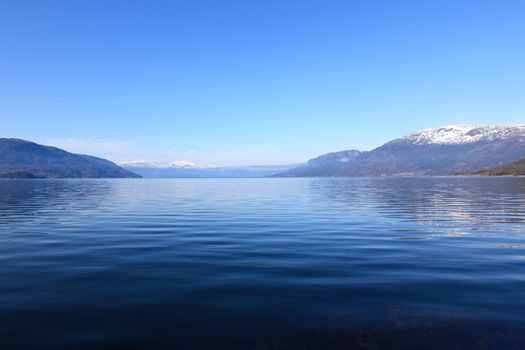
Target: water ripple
[367, 263]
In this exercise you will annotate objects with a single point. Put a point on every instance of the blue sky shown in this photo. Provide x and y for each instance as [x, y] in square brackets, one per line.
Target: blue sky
[253, 82]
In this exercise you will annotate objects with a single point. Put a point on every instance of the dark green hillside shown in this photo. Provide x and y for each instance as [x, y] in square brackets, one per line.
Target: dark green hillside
[512, 169]
[19, 175]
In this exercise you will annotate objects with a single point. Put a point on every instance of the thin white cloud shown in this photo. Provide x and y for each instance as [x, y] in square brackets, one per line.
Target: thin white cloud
[101, 148]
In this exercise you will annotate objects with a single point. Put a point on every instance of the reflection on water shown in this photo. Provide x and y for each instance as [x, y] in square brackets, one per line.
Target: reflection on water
[371, 263]
[33, 199]
[431, 199]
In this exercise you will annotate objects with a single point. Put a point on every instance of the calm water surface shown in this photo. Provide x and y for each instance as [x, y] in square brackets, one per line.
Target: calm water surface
[345, 263]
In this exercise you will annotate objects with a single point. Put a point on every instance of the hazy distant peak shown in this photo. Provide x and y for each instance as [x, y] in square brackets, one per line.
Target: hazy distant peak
[463, 134]
[179, 164]
[183, 164]
[136, 163]
[190, 164]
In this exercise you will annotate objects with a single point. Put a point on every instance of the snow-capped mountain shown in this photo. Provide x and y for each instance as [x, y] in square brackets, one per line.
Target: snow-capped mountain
[178, 164]
[183, 164]
[463, 134]
[186, 168]
[438, 151]
[187, 164]
[136, 163]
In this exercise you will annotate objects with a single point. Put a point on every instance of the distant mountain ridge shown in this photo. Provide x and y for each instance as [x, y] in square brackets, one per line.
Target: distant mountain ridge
[159, 170]
[177, 164]
[438, 151]
[28, 159]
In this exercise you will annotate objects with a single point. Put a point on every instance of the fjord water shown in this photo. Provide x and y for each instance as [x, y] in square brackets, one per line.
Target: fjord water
[321, 263]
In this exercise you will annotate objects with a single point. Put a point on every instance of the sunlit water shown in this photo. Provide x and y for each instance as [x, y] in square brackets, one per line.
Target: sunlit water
[345, 263]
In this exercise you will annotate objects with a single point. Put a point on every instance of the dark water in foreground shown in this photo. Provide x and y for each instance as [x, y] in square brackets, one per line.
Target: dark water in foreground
[356, 263]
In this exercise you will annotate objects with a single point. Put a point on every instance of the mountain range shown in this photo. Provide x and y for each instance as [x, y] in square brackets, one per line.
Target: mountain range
[438, 151]
[24, 159]
[177, 164]
[454, 149]
[185, 168]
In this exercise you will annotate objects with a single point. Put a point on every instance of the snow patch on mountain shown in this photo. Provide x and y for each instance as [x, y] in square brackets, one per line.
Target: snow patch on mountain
[178, 164]
[184, 164]
[137, 164]
[464, 134]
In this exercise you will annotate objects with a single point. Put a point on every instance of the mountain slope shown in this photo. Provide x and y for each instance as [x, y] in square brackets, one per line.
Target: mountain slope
[19, 175]
[512, 169]
[43, 161]
[324, 165]
[439, 151]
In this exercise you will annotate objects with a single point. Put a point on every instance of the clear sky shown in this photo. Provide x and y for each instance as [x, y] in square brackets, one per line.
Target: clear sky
[254, 82]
